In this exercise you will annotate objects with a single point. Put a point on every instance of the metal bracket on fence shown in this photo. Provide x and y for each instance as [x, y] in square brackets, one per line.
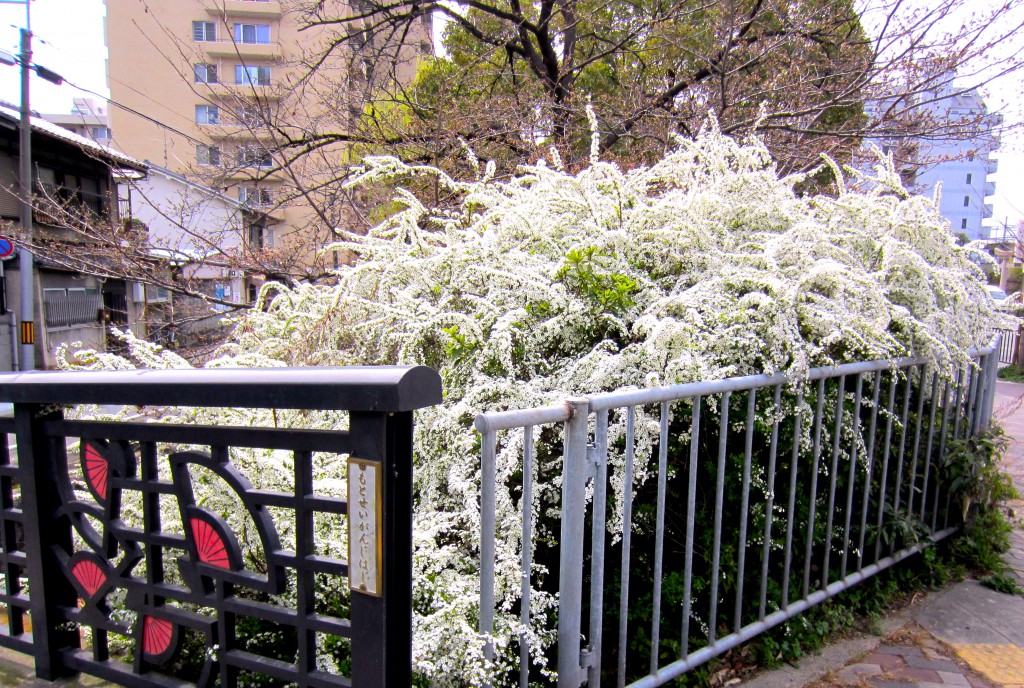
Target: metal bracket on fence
[586, 661]
[593, 462]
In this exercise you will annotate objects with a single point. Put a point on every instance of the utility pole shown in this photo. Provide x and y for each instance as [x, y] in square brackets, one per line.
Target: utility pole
[25, 267]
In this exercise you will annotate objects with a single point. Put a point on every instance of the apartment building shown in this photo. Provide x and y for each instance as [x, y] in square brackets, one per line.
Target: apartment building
[961, 166]
[957, 157]
[87, 118]
[220, 87]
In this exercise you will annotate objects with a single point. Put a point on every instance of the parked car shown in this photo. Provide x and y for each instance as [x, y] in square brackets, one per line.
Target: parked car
[996, 293]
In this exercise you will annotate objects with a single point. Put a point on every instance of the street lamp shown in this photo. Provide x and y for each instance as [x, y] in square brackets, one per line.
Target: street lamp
[25, 267]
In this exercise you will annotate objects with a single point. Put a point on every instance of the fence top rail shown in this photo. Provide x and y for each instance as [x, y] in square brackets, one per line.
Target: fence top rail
[355, 388]
[603, 401]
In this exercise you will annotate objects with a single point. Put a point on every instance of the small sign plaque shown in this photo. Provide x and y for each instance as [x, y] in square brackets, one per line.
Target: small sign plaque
[365, 545]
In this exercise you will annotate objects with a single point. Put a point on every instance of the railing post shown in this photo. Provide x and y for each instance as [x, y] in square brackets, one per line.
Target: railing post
[570, 577]
[1018, 350]
[991, 381]
[49, 588]
[382, 647]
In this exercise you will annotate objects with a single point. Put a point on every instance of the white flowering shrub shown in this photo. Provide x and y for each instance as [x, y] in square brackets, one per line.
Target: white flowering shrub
[553, 284]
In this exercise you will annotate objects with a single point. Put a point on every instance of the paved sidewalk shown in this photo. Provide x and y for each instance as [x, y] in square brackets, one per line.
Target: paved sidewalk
[965, 635]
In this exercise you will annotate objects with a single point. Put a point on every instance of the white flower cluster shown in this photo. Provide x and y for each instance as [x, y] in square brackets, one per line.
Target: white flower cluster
[553, 284]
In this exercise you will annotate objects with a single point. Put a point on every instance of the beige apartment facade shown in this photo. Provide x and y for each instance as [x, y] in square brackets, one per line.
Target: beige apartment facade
[218, 89]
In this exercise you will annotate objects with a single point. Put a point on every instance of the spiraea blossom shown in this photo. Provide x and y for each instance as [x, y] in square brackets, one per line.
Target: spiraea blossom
[551, 284]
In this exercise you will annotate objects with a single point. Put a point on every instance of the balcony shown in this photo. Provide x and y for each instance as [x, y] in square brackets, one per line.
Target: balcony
[233, 91]
[235, 131]
[226, 47]
[244, 8]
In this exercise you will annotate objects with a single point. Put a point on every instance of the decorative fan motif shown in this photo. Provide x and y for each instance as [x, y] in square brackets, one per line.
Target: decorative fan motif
[96, 469]
[157, 635]
[90, 575]
[209, 544]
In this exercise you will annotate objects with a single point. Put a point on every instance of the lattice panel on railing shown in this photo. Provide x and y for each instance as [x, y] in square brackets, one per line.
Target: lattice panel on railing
[14, 619]
[176, 550]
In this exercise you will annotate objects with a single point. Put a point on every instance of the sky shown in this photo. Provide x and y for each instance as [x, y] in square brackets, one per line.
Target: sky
[69, 39]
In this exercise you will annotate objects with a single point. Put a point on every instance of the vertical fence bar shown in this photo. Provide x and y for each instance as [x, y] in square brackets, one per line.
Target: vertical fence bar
[833, 469]
[43, 528]
[959, 401]
[971, 394]
[947, 389]
[904, 419]
[488, 448]
[597, 544]
[691, 496]
[741, 562]
[791, 506]
[917, 439]
[851, 478]
[526, 557]
[992, 370]
[659, 536]
[963, 387]
[723, 437]
[931, 439]
[570, 574]
[876, 387]
[813, 509]
[627, 543]
[885, 463]
[994, 377]
[770, 503]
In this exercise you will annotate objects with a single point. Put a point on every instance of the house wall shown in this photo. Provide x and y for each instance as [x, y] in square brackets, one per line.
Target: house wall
[183, 218]
[48, 338]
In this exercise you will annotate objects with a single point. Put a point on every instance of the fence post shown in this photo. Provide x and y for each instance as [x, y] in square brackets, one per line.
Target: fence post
[992, 381]
[382, 647]
[570, 575]
[1018, 350]
[49, 588]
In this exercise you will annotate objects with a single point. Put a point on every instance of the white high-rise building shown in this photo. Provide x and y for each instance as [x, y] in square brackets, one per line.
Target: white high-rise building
[962, 165]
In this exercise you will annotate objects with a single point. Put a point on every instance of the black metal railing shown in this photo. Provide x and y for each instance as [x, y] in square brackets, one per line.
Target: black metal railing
[113, 544]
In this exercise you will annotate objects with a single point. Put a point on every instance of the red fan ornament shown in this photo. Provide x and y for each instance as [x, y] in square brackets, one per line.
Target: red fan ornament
[157, 635]
[97, 470]
[89, 574]
[209, 544]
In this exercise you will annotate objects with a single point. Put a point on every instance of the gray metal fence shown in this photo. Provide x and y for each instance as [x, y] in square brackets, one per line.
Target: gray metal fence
[744, 519]
[1008, 345]
[73, 309]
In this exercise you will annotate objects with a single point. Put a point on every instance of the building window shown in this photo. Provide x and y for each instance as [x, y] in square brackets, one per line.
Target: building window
[254, 195]
[969, 177]
[252, 33]
[254, 156]
[204, 31]
[963, 223]
[250, 114]
[207, 114]
[252, 76]
[207, 155]
[260, 236]
[967, 201]
[206, 73]
[99, 133]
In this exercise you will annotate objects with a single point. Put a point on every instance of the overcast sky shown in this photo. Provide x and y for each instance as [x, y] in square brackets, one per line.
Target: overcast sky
[69, 40]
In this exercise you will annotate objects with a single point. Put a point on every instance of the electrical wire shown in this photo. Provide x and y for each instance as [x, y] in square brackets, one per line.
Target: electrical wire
[135, 112]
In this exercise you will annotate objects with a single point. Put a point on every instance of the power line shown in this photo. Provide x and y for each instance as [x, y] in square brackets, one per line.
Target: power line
[135, 112]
